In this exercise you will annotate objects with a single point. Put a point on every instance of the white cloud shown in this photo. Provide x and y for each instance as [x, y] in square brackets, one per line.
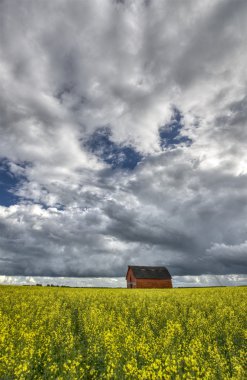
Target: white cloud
[68, 68]
[120, 282]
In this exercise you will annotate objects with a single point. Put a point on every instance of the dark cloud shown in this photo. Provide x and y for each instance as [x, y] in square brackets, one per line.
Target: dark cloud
[164, 182]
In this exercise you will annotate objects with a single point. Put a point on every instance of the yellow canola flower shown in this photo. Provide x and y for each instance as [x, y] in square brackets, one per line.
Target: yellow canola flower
[58, 333]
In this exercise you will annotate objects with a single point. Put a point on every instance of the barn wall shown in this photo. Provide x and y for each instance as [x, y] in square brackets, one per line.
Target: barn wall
[151, 283]
[131, 278]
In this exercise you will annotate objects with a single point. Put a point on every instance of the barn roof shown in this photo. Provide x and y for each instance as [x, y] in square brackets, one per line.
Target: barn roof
[158, 273]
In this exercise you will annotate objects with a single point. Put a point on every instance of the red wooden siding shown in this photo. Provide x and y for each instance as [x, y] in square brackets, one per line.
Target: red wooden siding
[147, 283]
[133, 282]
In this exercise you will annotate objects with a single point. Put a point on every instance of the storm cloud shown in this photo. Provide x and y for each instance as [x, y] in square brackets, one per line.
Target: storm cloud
[123, 137]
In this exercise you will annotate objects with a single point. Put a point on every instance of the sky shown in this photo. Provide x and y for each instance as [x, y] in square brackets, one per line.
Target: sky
[123, 134]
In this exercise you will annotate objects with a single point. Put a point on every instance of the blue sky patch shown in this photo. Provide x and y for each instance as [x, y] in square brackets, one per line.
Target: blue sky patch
[118, 156]
[170, 134]
[8, 183]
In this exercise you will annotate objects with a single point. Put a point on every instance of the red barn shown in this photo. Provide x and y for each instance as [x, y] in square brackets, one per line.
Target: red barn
[148, 277]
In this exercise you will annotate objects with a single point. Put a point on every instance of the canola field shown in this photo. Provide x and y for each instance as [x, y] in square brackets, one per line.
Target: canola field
[61, 333]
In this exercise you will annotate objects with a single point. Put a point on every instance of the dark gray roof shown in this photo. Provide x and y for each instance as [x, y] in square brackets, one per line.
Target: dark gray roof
[159, 273]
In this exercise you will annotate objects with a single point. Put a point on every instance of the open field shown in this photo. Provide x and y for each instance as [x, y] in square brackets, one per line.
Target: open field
[59, 333]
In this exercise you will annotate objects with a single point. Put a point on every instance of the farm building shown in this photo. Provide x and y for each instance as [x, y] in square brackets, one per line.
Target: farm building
[148, 277]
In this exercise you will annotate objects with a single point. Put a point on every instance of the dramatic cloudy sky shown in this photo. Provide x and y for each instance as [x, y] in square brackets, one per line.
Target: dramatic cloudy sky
[123, 135]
